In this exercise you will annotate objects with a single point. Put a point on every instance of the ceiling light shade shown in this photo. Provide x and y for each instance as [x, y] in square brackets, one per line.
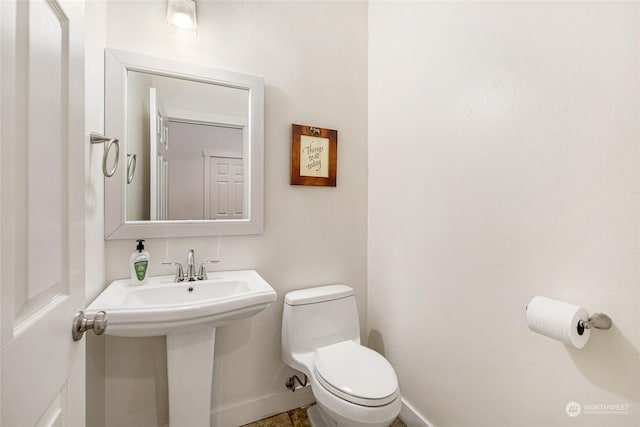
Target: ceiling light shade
[181, 17]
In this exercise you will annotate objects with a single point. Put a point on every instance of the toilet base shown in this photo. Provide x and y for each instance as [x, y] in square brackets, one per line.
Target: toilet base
[319, 418]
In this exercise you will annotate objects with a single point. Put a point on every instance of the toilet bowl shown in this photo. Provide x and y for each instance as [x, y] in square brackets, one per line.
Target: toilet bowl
[353, 385]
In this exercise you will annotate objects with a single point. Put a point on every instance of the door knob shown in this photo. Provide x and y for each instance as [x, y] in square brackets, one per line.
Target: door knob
[82, 324]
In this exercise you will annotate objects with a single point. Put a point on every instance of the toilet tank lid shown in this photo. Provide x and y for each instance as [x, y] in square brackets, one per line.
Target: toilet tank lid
[319, 294]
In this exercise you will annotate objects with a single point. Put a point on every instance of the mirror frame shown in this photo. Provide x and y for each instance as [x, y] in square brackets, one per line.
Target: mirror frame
[117, 64]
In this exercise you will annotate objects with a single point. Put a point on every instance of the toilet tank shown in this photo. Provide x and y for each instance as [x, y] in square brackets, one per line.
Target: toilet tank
[316, 317]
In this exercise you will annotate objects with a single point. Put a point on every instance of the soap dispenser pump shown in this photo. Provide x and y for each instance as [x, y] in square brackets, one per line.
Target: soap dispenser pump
[139, 264]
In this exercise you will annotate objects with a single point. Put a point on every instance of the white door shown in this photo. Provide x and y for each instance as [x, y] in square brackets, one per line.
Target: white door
[223, 187]
[159, 162]
[43, 213]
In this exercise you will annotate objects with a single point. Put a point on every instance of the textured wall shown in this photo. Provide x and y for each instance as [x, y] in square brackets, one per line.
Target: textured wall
[511, 129]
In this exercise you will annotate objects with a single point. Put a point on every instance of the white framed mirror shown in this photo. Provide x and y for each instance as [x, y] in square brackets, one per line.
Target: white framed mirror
[191, 161]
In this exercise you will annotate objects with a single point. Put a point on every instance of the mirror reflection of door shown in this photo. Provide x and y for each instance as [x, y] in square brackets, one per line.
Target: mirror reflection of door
[159, 161]
[223, 183]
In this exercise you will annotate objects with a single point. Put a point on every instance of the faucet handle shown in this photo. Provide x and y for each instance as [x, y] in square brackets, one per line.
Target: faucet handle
[202, 273]
[179, 271]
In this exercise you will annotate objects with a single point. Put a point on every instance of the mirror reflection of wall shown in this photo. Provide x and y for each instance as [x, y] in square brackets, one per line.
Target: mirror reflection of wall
[205, 181]
[189, 138]
[138, 85]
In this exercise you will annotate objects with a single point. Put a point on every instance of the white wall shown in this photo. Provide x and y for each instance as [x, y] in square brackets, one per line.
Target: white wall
[512, 133]
[313, 57]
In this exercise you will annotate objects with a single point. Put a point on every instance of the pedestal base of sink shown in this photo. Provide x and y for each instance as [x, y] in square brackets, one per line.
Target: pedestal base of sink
[190, 372]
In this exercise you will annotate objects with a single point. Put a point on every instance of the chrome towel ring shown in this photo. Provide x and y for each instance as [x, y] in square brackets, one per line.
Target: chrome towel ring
[96, 138]
[131, 167]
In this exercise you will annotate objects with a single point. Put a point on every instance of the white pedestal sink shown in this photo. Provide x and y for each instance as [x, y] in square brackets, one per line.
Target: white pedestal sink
[187, 313]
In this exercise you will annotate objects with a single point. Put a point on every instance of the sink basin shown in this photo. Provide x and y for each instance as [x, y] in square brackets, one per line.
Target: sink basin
[163, 306]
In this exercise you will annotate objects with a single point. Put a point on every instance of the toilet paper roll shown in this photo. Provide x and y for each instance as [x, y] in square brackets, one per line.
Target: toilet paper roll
[558, 320]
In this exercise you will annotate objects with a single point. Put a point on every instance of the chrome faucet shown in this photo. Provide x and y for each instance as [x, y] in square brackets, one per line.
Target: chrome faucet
[190, 274]
[191, 266]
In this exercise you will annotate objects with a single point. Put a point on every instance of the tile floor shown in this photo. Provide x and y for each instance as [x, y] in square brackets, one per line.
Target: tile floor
[296, 418]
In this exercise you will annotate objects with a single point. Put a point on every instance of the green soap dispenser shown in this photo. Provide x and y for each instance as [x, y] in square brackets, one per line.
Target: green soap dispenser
[139, 264]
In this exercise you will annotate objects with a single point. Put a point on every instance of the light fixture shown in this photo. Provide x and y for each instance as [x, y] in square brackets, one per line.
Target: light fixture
[181, 17]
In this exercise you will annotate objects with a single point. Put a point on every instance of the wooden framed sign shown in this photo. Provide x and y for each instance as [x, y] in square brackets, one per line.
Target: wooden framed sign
[314, 156]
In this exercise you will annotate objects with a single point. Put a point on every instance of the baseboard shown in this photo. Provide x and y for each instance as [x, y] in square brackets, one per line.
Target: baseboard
[253, 410]
[411, 417]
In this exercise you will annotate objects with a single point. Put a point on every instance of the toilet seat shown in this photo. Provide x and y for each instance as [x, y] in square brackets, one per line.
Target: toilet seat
[356, 374]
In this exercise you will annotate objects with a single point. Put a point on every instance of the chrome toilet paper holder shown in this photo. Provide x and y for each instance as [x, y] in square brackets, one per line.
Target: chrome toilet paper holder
[597, 320]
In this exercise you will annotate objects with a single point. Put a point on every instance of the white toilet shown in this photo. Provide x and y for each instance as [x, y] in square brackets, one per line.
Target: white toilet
[353, 385]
